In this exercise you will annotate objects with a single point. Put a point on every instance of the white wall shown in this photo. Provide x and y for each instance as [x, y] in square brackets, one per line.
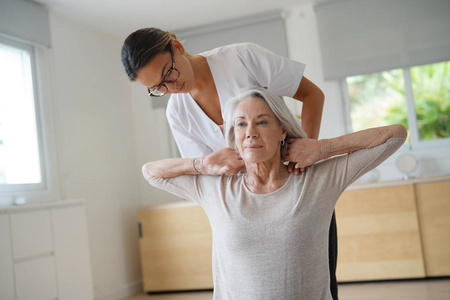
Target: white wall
[303, 46]
[97, 150]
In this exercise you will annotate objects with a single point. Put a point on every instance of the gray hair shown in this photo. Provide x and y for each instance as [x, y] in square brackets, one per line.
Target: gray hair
[276, 104]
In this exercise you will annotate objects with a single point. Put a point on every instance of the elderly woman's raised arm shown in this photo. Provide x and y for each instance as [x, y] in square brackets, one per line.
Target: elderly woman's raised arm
[325, 148]
[216, 163]
[364, 139]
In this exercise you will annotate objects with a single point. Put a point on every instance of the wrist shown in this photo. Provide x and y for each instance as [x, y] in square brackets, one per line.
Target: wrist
[325, 148]
[195, 165]
[199, 165]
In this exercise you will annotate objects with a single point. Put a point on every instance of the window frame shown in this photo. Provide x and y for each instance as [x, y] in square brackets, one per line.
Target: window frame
[48, 188]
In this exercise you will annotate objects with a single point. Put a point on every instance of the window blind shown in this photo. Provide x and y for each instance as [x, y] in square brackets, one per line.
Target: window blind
[366, 36]
[266, 29]
[26, 21]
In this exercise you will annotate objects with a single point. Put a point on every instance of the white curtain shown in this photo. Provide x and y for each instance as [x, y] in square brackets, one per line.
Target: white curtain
[366, 36]
[26, 21]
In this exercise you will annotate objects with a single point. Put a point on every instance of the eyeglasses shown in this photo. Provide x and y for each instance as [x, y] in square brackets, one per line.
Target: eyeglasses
[171, 76]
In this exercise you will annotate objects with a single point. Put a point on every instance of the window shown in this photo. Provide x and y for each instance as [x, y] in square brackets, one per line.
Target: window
[21, 165]
[416, 97]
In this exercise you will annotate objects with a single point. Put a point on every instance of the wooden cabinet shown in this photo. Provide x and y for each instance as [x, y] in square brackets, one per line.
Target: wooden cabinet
[378, 234]
[175, 247]
[433, 201]
[394, 232]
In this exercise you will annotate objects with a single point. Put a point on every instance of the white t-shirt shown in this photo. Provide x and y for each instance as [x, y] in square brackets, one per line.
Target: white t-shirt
[275, 246]
[233, 67]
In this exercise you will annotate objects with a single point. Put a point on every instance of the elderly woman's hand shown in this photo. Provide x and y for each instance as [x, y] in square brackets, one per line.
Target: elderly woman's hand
[224, 161]
[302, 153]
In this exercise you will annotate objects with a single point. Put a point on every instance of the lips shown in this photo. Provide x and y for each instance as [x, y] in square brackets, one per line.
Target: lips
[253, 147]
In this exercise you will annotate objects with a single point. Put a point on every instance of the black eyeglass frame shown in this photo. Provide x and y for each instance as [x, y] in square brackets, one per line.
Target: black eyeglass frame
[150, 90]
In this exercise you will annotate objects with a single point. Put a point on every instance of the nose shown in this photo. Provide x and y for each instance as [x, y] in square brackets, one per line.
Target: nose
[251, 131]
[172, 86]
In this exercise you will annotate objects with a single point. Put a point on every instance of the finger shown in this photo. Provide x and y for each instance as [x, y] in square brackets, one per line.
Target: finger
[290, 168]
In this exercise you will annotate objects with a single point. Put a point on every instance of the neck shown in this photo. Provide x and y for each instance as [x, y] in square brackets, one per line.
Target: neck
[202, 73]
[265, 177]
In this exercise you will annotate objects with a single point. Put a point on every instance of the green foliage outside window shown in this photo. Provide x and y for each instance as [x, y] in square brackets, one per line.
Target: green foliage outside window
[379, 99]
[431, 88]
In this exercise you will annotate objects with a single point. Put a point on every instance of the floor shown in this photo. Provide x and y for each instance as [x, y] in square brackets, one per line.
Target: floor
[433, 289]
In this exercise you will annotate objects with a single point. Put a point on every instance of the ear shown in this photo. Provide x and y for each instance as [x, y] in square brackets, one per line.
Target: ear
[283, 132]
[177, 45]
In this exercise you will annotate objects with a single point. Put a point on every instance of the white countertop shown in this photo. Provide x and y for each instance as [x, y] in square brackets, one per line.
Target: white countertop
[38, 206]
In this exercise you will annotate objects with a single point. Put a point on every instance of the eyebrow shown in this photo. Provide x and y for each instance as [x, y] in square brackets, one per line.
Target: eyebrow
[258, 116]
[162, 76]
[162, 72]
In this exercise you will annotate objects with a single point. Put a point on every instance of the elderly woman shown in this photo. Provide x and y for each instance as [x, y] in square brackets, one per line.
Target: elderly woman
[269, 226]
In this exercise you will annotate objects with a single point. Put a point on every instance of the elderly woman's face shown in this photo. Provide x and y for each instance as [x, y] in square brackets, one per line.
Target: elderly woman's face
[257, 130]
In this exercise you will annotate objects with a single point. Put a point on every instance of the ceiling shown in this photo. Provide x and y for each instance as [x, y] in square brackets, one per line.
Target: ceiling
[121, 17]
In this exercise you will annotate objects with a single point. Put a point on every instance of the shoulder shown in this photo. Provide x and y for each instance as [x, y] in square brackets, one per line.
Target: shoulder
[224, 182]
[235, 49]
[218, 184]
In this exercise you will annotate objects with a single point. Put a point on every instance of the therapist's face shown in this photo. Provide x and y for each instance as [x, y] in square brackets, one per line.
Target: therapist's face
[258, 132]
[160, 70]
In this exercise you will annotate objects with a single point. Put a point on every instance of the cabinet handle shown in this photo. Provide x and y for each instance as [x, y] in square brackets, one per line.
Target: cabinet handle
[140, 230]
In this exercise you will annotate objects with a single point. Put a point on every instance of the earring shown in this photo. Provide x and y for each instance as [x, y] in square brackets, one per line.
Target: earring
[282, 142]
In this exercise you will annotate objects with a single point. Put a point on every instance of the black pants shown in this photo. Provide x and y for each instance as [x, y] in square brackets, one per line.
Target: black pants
[332, 256]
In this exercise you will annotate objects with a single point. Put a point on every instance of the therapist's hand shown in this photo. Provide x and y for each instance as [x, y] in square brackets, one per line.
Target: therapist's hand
[302, 153]
[223, 161]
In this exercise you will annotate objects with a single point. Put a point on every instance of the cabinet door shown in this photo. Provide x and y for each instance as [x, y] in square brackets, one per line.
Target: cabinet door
[378, 234]
[176, 249]
[433, 201]
[31, 234]
[6, 261]
[36, 279]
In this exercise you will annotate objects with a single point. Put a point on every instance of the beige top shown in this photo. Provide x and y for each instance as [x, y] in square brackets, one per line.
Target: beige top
[275, 245]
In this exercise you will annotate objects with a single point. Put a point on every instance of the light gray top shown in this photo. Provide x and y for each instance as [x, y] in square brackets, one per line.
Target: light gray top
[275, 245]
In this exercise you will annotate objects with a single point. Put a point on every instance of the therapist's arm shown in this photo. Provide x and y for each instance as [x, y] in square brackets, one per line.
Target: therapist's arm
[313, 99]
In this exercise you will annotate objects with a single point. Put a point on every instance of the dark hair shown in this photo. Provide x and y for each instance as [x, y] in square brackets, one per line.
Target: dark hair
[143, 44]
